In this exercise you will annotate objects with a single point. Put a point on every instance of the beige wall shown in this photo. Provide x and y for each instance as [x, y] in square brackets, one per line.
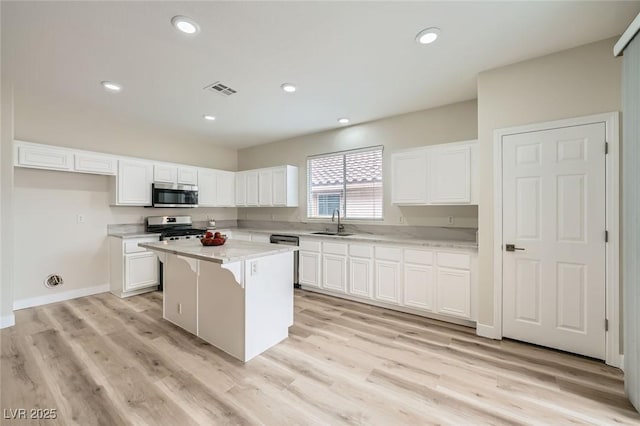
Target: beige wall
[576, 82]
[6, 203]
[450, 123]
[48, 239]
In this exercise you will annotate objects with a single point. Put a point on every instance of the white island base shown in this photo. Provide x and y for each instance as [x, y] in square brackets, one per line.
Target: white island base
[242, 307]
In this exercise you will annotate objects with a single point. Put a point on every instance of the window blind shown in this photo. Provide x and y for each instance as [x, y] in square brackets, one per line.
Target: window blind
[350, 181]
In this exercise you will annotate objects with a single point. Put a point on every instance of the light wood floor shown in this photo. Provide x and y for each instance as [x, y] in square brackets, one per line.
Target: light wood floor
[103, 360]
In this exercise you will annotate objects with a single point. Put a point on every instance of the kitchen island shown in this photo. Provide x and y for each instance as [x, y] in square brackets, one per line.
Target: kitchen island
[238, 297]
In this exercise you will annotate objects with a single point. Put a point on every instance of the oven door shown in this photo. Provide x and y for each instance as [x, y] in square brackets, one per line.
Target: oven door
[174, 195]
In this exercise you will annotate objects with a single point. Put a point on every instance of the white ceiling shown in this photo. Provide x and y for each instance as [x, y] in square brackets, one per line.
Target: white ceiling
[354, 59]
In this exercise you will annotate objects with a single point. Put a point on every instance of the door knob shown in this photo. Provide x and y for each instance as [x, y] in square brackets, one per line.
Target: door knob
[512, 247]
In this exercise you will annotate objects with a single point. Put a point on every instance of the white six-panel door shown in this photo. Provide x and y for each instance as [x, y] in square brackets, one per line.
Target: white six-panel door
[554, 214]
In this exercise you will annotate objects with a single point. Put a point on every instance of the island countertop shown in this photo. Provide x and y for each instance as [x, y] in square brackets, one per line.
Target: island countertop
[231, 251]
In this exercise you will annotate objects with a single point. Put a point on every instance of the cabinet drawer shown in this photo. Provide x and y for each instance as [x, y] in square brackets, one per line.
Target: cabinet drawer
[454, 260]
[359, 250]
[418, 257]
[388, 253]
[131, 246]
[310, 245]
[334, 248]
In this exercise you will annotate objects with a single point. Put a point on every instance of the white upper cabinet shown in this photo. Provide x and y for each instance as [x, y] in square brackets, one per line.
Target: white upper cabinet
[285, 186]
[265, 180]
[133, 183]
[268, 187]
[216, 188]
[435, 175]
[95, 163]
[225, 188]
[241, 189]
[207, 188]
[171, 173]
[165, 173]
[409, 177]
[450, 175]
[42, 156]
[187, 175]
[251, 188]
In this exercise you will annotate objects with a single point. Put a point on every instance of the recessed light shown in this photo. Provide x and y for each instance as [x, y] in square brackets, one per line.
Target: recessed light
[428, 36]
[288, 87]
[111, 86]
[343, 120]
[185, 25]
[209, 117]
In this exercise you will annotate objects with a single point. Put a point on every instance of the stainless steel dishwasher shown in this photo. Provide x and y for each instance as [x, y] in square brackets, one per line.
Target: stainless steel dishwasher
[290, 240]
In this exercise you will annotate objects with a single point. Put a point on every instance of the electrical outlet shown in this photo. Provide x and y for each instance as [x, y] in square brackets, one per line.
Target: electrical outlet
[451, 220]
[80, 218]
[401, 219]
[180, 308]
[254, 268]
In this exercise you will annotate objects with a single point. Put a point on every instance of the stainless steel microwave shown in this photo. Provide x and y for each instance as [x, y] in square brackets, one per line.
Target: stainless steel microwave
[174, 195]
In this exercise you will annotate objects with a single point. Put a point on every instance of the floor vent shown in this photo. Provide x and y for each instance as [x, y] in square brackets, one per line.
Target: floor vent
[53, 280]
[220, 88]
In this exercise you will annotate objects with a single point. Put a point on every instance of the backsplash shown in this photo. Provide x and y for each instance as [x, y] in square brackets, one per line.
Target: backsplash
[140, 227]
[421, 232]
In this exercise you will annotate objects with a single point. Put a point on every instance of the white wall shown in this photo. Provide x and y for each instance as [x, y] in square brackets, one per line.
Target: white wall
[581, 81]
[450, 123]
[48, 239]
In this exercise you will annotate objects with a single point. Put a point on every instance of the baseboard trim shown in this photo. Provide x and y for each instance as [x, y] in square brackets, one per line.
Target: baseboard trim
[7, 321]
[59, 297]
[488, 331]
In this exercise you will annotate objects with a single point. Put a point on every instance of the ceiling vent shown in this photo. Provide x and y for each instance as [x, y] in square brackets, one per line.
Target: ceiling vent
[53, 280]
[222, 89]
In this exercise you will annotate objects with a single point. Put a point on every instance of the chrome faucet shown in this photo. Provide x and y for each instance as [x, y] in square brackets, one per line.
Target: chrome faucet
[333, 218]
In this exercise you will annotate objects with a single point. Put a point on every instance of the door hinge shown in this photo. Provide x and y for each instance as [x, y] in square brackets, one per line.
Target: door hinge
[606, 236]
[606, 148]
[606, 324]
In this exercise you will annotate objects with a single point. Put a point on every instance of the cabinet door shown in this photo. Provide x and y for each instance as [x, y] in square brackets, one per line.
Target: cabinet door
[454, 292]
[241, 236]
[241, 189]
[140, 270]
[207, 188]
[44, 158]
[450, 179]
[165, 174]
[226, 186]
[265, 181]
[180, 292]
[187, 175]
[409, 178]
[309, 269]
[94, 163]
[134, 183]
[279, 188]
[360, 277]
[334, 272]
[387, 280]
[251, 188]
[419, 286]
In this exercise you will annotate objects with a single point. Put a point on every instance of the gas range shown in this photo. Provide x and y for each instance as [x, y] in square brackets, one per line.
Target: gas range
[173, 227]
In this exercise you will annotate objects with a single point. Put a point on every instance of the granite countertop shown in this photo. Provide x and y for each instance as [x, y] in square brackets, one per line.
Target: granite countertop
[231, 251]
[369, 238]
[125, 235]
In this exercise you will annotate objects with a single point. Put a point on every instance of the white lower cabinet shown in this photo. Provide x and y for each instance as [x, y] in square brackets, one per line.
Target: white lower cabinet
[334, 266]
[387, 281]
[309, 263]
[454, 292]
[360, 276]
[419, 280]
[133, 269]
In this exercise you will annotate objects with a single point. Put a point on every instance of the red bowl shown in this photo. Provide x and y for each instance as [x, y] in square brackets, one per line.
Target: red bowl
[212, 241]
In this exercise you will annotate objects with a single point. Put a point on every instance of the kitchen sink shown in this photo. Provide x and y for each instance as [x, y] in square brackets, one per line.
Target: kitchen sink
[337, 234]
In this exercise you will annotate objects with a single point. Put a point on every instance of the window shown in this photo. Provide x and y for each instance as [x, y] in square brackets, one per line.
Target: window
[350, 181]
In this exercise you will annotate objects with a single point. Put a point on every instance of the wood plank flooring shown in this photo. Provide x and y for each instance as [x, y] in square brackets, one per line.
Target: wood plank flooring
[101, 360]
